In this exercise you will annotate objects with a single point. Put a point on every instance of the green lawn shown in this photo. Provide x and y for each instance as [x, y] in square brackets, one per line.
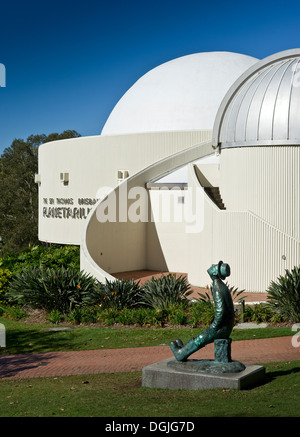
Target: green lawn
[23, 337]
[121, 395]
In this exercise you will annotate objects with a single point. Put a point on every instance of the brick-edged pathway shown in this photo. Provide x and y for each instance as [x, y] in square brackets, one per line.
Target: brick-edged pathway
[52, 364]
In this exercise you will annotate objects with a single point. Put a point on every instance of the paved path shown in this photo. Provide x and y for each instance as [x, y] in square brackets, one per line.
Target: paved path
[34, 365]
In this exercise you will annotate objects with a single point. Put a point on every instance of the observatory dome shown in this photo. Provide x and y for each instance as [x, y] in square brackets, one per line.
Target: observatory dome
[182, 94]
[262, 107]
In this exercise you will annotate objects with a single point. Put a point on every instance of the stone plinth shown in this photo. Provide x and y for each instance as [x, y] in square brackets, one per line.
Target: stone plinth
[207, 366]
[183, 376]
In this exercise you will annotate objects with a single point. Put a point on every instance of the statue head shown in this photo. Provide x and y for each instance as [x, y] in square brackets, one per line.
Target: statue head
[220, 270]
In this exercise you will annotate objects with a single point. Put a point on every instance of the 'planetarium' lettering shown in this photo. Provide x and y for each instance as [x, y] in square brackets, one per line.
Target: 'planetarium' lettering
[62, 212]
[64, 207]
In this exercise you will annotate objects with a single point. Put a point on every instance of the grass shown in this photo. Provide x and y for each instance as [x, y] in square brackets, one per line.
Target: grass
[121, 395]
[23, 337]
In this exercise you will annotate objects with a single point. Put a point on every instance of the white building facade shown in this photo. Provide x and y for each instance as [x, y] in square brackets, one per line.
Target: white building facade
[199, 161]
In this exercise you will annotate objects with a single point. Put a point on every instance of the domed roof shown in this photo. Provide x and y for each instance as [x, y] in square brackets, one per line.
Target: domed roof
[182, 94]
[263, 105]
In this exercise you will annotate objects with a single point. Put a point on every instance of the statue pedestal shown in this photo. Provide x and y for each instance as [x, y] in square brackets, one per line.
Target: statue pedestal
[222, 372]
[175, 375]
[207, 366]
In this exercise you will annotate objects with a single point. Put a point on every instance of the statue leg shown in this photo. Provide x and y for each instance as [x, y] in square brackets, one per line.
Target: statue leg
[182, 352]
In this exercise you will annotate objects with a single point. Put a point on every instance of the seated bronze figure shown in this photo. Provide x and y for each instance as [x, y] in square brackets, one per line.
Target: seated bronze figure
[223, 322]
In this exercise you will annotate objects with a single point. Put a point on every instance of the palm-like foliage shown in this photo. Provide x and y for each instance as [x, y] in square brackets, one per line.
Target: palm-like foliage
[165, 291]
[234, 291]
[115, 294]
[52, 289]
[284, 295]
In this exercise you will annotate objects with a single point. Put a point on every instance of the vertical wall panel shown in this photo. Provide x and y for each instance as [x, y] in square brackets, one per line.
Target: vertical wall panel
[257, 251]
[265, 181]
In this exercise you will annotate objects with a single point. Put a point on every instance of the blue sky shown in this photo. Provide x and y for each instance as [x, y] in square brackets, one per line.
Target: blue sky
[69, 62]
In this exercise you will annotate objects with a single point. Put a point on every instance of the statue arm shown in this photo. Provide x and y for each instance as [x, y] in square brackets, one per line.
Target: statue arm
[220, 311]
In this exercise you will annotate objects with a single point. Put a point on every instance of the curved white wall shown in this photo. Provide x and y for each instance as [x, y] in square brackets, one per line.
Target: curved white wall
[116, 246]
[93, 163]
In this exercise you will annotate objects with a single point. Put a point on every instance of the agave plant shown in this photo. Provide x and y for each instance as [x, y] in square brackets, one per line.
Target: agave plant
[117, 294]
[52, 289]
[165, 291]
[284, 295]
[234, 291]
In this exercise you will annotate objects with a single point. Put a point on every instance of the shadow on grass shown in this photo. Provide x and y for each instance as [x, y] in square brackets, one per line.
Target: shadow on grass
[272, 375]
[19, 341]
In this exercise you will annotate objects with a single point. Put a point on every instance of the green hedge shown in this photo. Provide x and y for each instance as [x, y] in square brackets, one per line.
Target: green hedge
[42, 256]
[36, 257]
[50, 278]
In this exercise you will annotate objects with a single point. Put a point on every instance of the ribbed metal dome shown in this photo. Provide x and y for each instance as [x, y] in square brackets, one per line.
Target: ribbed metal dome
[263, 106]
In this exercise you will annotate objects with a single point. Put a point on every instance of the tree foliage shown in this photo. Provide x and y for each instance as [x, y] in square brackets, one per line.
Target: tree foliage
[19, 192]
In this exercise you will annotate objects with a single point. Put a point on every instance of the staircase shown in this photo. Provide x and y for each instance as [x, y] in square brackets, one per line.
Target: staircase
[215, 196]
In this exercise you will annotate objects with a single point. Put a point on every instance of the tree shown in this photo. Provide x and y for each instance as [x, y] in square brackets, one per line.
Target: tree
[19, 192]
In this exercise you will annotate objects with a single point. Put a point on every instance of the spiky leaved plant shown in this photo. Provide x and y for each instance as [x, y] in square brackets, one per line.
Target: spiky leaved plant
[60, 289]
[165, 291]
[119, 293]
[284, 295]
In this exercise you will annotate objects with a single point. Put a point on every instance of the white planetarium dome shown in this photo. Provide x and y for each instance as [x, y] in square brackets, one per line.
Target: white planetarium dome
[182, 94]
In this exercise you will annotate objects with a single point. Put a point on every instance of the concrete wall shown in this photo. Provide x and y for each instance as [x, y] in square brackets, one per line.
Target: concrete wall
[166, 237]
[265, 181]
[122, 246]
[92, 163]
[257, 251]
[258, 233]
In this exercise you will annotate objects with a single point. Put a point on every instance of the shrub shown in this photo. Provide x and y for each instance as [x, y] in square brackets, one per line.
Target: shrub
[115, 294]
[144, 316]
[76, 315]
[257, 313]
[126, 316]
[5, 276]
[284, 295]
[43, 257]
[109, 316]
[52, 289]
[90, 315]
[55, 317]
[234, 291]
[260, 312]
[178, 314]
[165, 291]
[85, 314]
[202, 313]
[15, 312]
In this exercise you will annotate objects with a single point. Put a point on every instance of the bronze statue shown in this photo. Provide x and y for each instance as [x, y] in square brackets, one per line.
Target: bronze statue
[223, 322]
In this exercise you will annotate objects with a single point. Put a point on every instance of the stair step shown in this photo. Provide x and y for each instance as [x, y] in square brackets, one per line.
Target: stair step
[214, 194]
